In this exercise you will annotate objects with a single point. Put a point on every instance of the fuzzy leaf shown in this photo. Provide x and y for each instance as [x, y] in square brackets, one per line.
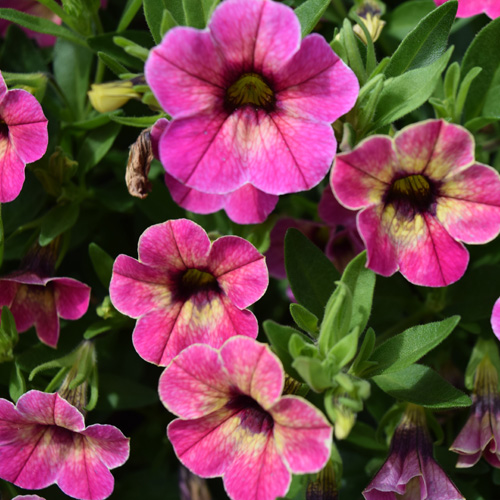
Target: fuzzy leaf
[309, 13]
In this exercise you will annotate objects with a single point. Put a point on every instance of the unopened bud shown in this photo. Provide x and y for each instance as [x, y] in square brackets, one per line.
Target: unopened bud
[109, 96]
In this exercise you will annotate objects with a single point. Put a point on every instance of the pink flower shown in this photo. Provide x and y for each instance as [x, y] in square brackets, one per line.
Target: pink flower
[468, 8]
[28, 497]
[41, 301]
[43, 440]
[251, 104]
[235, 423]
[184, 289]
[23, 138]
[421, 194]
[495, 319]
[245, 205]
[481, 434]
[410, 471]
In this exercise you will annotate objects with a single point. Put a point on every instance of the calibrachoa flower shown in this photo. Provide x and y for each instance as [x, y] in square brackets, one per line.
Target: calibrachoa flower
[185, 290]
[28, 497]
[410, 471]
[23, 138]
[468, 8]
[43, 440]
[495, 319]
[481, 434]
[422, 194]
[235, 423]
[40, 301]
[251, 104]
[245, 205]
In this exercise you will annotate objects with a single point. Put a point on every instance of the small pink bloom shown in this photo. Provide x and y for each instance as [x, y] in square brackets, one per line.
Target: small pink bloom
[495, 319]
[23, 138]
[421, 195]
[245, 205]
[184, 289]
[28, 497]
[41, 301]
[235, 423]
[481, 434]
[43, 440]
[410, 471]
[468, 8]
[251, 104]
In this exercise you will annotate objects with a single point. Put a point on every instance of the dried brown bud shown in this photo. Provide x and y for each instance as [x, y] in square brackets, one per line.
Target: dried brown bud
[139, 162]
[192, 487]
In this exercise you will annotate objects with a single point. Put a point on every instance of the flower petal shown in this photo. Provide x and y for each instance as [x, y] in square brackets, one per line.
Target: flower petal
[255, 36]
[195, 383]
[469, 204]
[11, 171]
[316, 83]
[108, 443]
[361, 177]
[185, 72]
[253, 369]
[303, 435]
[240, 270]
[72, 297]
[435, 148]
[206, 445]
[249, 205]
[495, 319]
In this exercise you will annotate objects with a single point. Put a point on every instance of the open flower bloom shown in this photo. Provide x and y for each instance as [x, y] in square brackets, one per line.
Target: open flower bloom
[23, 138]
[421, 195]
[410, 472]
[245, 205]
[251, 103]
[41, 301]
[28, 497]
[43, 440]
[468, 8]
[481, 434]
[235, 423]
[184, 289]
[495, 319]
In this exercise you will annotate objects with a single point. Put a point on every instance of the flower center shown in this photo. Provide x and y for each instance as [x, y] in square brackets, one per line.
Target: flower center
[412, 194]
[4, 129]
[250, 88]
[252, 416]
[194, 280]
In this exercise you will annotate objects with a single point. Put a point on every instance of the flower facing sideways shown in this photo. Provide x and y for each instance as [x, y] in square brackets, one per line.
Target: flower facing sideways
[422, 194]
[481, 434]
[184, 289]
[251, 103]
[468, 8]
[43, 440]
[235, 423]
[23, 138]
[410, 472]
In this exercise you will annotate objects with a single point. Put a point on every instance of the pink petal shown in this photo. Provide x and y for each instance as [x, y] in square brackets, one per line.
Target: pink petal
[174, 245]
[83, 475]
[469, 204]
[108, 443]
[27, 124]
[186, 73]
[28, 497]
[259, 462]
[249, 205]
[253, 369]
[195, 384]
[72, 297]
[316, 83]
[255, 36]
[206, 445]
[468, 440]
[8, 290]
[438, 483]
[435, 148]
[3, 86]
[136, 288]
[303, 436]
[333, 213]
[11, 171]
[240, 270]
[361, 177]
[156, 132]
[495, 319]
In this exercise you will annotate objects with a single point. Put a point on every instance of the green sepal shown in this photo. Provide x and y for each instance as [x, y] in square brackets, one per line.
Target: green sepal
[17, 383]
[8, 335]
[304, 319]
[361, 363]
[315, 373]
[483, 348]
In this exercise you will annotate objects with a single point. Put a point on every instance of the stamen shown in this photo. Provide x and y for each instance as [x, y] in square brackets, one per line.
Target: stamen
[251, 89]
[412, 194]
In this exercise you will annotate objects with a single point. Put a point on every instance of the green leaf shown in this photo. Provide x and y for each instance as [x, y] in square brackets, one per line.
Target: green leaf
[420, 385]
[40, 25]
[193, 11]
[309, 13]
[72, 65]
[345, 349]
[58, 220]
[96, 145]
[136, 121]
[313, 372]
[167, 22]
[128, 14]
[404, 17]
[424, 44]
[112, 64]
[480, 54]
[17, 384]
[102, 262]
[97, 328]
[132, 48]
[8, 335]
[153, 12]
[119, 393]
[411, 345]
[304, 318]
[361, 362]
[312, 276]
[279, 337]
[407, 92]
